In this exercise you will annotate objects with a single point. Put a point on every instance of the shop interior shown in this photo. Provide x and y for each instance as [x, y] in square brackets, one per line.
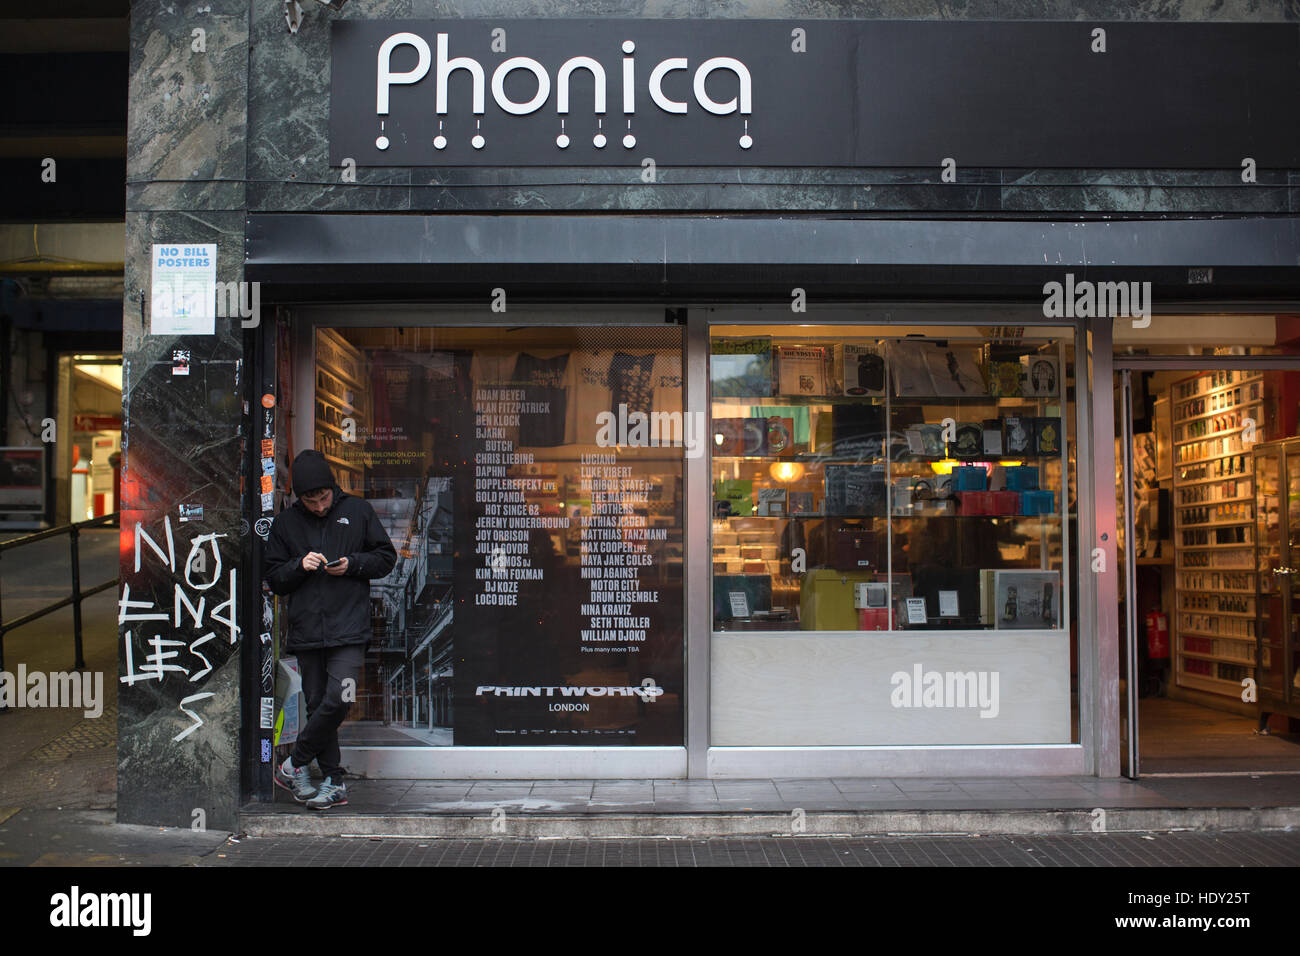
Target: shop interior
[90, 408]
[870, 481]
[1216, 491]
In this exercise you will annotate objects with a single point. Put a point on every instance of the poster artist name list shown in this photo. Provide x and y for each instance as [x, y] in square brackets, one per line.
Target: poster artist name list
[501, 533]
[614, 547]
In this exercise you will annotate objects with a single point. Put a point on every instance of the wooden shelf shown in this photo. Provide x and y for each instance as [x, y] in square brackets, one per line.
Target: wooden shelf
[1201, 461]
[337, 342]
[1211, 435]
[321, 423]
[1202, 481]
[1211, 502]
[1213, 440]
[1215, 657]
[1255, 377]
[1211, 684]
[1184, 632]
[341, 463]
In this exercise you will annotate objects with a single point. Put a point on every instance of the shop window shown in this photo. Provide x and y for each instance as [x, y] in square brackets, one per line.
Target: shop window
[531, 482]
[871, 483]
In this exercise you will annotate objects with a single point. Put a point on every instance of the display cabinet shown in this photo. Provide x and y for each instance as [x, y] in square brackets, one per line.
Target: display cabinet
[1216, 417]
[872, 483]
[1277, 554]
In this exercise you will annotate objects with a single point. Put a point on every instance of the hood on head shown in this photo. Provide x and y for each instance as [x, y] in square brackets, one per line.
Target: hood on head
[311, 471]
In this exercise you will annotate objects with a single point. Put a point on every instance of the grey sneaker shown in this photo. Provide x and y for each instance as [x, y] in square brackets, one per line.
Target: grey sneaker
[330, 794]
[296, 780]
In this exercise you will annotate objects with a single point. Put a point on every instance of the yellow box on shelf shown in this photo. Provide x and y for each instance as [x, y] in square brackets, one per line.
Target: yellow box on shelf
[826, 599]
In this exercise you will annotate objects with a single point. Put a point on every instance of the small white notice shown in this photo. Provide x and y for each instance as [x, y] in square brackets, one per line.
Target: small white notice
[183, 289]
[948, 604]
[916, 610]
[739, 604]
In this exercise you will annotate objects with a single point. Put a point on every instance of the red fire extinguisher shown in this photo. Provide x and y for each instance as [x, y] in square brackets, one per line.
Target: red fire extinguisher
[1157, 636]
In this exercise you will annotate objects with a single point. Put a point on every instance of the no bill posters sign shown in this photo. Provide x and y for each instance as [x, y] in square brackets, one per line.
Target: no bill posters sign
[184, 289]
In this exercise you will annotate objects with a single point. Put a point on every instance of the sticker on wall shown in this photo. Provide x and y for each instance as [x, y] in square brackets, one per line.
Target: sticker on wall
[266, 751]
[263, 528]
[268, 447]
[268, 400]
[191, 512]
[268, 484]
[268, 467]
[180, 361]
[268, 501]
[268, 713]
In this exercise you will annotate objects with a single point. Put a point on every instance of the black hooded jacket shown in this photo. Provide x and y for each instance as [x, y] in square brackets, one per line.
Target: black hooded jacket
[327, 610]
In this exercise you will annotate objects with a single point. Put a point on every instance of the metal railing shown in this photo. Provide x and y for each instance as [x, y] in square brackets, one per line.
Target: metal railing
[78, 595]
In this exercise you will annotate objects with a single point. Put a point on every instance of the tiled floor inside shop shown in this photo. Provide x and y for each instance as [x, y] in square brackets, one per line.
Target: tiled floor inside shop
[1180, 737]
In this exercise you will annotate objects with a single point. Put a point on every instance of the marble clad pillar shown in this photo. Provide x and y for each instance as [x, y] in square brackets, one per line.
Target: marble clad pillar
[179, 709]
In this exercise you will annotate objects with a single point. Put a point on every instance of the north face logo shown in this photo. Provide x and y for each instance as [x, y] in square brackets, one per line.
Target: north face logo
[344, 521]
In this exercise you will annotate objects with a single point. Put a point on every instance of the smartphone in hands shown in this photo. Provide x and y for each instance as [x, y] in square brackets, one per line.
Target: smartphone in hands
[335, 563]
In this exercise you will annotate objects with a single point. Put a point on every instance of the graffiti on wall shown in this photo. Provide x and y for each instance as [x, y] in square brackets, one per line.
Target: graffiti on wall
[162, 643]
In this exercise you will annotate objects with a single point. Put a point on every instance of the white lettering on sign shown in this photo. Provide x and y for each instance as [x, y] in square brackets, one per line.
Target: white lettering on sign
[444, 65]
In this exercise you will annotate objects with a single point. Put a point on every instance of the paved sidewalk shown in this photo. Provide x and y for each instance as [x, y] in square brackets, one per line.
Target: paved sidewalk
[1079, 850]
[57, 757]
[573, 809]
[785, 794]
[86, 838]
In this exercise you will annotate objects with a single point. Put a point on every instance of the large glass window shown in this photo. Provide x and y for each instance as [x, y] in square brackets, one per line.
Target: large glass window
[867, 481]
[531, 482]
[891, 535]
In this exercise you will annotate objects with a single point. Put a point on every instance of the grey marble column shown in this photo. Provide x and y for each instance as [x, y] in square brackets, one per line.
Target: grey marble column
[179, 700]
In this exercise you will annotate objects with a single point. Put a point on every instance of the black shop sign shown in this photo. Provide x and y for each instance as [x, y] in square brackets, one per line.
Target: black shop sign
[725, 93]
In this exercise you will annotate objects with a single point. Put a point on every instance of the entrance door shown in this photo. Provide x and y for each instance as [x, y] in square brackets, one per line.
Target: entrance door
[1277, 510]
[1209, 508]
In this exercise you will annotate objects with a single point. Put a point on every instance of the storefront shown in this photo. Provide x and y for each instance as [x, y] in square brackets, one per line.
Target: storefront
[886, 512]
[716, 484]
[1208, 420]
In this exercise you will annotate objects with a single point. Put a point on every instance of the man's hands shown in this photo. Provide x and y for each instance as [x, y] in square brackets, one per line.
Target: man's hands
[314, 560]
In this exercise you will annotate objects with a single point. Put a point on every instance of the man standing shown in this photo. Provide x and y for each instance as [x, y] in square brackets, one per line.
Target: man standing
[323, 552]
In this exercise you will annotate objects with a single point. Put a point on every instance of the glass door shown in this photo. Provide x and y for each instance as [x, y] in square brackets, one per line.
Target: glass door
[1274, 580]
[1278, 522]
[1285, 665]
